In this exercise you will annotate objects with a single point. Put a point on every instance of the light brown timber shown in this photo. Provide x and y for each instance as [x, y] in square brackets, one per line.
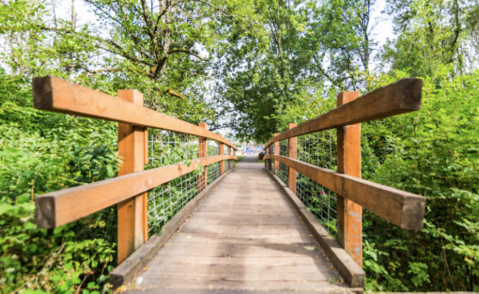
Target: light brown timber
[401, 208]
[225, 255]
[61, 207]
[276, 152]
[350, 224]
[292, 153]
[131, 214]
[202, 152]
[350, 270]
[221, 152]
[400, 97]
[54, 94]
[127, 270]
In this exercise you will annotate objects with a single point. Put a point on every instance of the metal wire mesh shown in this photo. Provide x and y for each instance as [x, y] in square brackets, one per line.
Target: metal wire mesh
[283, 148]
[166, 200]
[283, 172]
[212, 148]
[318, 149]
[213, 172]
[167, 148]
[319, 200]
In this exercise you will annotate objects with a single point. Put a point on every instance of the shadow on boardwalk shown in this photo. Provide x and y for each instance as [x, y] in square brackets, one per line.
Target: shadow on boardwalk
[245, 236]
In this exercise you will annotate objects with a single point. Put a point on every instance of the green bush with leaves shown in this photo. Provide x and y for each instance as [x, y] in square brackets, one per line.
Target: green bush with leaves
[433, 152]
[42, 152]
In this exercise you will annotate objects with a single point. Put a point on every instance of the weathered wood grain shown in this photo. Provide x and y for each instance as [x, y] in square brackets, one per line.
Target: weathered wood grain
[54, 94]
[350, 222]
[62, 207]
[131, 212]
[203, 152]
[276, 152]
[350, 270]
[403, 209]
[127, 270]
[249, 246]
[292, 153]
[400, 97]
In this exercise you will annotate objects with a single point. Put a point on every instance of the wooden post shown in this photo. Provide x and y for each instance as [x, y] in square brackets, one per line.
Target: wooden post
[222, 163]
[276, 152]
[292, 150]
[234, 161]
[132, 221]
[269, 153]
[349, 162]
[203, 152]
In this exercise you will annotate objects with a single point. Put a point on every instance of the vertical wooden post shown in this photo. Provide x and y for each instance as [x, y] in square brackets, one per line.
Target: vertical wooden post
[276, 152]
[292, 150]
[132, 222]
[234, 161]
[203, 152]
[349, 162]
[221, 152]
[269, 153]
[145, 197]
[265, 150]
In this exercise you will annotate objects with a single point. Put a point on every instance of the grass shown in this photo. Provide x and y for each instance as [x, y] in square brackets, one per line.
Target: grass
[260, 161]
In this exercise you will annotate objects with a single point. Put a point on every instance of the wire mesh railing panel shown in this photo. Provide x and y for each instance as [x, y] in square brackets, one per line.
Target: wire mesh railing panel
[166, 147]
[283, 148]
[319, 149]
[283, 173]
[166, 200]
[213, 172]
[212, 148]
[320, 201]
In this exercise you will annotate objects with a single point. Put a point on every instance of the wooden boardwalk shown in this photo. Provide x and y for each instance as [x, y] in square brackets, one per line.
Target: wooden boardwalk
[245, 236]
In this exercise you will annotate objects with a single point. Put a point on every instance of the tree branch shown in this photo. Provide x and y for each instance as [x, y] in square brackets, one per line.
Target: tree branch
[187, 52]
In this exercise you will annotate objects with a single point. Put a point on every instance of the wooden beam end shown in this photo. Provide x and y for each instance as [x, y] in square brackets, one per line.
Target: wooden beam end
[45, 212]
[43, 92]
[410, 90]
[414, 209]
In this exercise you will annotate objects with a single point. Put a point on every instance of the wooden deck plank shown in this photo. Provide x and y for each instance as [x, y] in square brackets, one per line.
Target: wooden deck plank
[244, 236]
[182, 283]
[291, 238]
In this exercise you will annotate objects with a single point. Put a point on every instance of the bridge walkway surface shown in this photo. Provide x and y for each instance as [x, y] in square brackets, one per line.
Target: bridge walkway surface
[245, 238]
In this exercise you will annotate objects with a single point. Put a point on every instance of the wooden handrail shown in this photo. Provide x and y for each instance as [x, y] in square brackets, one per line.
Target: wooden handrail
[61, 207]
[400, 97]
[56, 95]
[403, 209]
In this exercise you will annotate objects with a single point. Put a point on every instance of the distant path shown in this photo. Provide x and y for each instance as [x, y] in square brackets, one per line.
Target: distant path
[244, 236]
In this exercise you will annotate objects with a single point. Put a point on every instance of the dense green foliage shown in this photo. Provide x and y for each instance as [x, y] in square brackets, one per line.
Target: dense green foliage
[42, 152]
[251, 67]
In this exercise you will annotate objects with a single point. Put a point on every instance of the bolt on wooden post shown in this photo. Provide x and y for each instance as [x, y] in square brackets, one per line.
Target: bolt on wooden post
[132, 213]
[202, 152]
[276, 152]
[292, 151]
[349, 162]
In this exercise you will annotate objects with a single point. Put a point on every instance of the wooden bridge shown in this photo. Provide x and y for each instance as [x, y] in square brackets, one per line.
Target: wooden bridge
[193, 221]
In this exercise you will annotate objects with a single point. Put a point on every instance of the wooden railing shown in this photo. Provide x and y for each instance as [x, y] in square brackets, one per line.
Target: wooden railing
[129, 189]
[401, 208]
